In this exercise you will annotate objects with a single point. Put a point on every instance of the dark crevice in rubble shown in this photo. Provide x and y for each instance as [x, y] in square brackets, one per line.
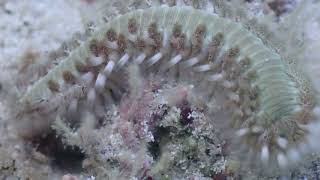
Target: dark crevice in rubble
[63, 158]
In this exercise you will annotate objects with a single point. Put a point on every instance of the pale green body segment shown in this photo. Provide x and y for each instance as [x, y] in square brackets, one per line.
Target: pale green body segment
[278, 95]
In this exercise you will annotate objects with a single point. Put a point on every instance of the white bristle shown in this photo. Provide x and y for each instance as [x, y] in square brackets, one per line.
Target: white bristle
[109, 67]
[175, 60]
[293, 155]
[96, 61]
[112, 45]
[181, 3]
[234, 97]
[132, 38]
[191, 62]
[265, 153]
[91, 95]
[282, 160]
[100, 81]
[210, 7]
[228, 84]
[123, 60]
[256, 129]
[87, 77]
[215, 77]
[140, 58]
[202, 68]
[165, 39]
[242, 132]
[305, 127]
[155, 58]
[282, 142]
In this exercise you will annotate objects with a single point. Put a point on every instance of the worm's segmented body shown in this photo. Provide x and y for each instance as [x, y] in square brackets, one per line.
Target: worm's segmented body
[262, 95]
